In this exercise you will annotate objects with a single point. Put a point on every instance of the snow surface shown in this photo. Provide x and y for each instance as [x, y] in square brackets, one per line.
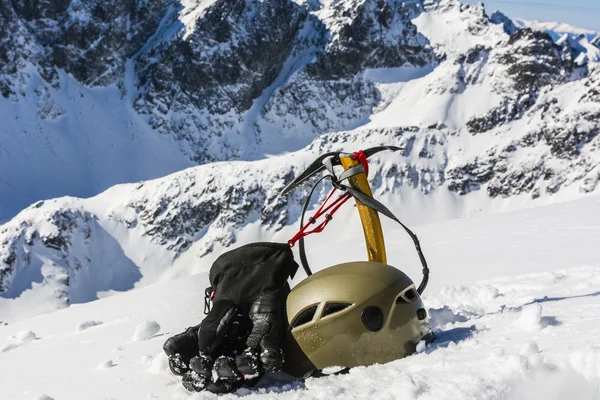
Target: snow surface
[146, 330]
[89, 140]
[514, 300]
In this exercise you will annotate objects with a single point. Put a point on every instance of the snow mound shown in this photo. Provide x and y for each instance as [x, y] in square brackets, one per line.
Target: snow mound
[85, 325]
[19, 339]
[145, 331]
[44, 397]
[159, 364]
[530, 348]
[106, 364]
[587, 363]
[25, 337]
[531, 318]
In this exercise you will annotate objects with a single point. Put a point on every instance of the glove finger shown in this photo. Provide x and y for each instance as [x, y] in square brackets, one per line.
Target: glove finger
[225, 376]
[194, 382]
[271, 356]
[264, 343]
[225, 370]
[180, 349]
[218, 327]
[248, 363]
[202, 365]
[177, 365]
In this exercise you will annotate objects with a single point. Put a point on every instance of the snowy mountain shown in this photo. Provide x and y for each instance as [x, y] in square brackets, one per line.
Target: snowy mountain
[556, 29]
[513, 299]
[489, 118]
[100, 93]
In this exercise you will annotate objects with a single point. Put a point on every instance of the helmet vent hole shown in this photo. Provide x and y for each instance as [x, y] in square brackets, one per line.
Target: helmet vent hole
[372, 318]
[332, 308]
[407, 297]
[305, 316]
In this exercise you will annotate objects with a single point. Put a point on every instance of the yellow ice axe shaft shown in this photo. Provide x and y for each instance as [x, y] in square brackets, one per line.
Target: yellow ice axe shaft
[369, 217]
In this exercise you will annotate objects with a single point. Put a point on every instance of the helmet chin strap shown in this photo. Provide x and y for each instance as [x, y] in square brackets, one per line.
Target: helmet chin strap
[355, 172]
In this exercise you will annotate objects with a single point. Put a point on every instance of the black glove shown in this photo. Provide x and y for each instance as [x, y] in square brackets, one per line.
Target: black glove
[241, 337]
[231, 348]
[221, 336]
[263, 352]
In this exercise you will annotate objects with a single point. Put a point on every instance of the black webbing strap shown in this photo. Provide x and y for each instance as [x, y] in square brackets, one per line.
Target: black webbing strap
[375, 205]
[380, 208]
[301, 248]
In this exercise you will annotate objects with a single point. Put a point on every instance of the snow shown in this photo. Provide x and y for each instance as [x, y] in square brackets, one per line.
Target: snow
[110, 249]
[106, 364]
[25, 337]
[17, 340]
[531, 318]
[87, 325]
[159, 364]
[146, 330]
[514, 301]
[93, 140]
[555, 28]
[455, 28]
[561, 32]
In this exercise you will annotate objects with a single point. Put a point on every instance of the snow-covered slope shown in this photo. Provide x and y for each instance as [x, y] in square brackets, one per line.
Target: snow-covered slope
[514, 301]
[77, 141]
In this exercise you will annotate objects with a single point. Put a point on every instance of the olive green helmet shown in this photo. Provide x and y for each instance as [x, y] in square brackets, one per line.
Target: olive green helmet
[358, 313]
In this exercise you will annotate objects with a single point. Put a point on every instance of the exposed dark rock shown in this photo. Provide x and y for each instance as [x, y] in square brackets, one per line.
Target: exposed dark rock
[474, 53]
[507, 23]
[535, 61]
[236, 50]
[469, 177]
[509, 111]
[380, 34]
[566, 140]
[91, 40]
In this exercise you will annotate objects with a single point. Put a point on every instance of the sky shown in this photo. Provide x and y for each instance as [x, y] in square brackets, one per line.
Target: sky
[580, 13]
